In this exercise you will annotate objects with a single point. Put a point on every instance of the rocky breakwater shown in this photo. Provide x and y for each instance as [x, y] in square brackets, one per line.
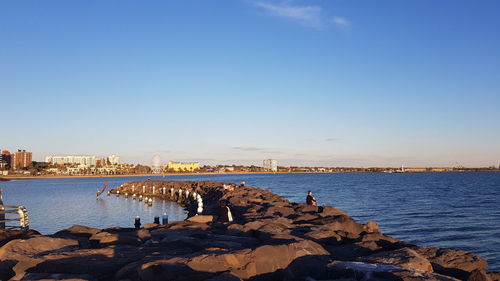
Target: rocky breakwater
[269, 239]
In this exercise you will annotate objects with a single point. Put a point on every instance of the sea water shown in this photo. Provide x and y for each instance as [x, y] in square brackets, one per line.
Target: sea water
[453, 210]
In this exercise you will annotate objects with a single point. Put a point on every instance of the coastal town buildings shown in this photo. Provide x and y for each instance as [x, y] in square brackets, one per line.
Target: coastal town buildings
[81, 160]
[113, 160]
[6, 159]
[20, 159]
[180, 166]
[271, 165]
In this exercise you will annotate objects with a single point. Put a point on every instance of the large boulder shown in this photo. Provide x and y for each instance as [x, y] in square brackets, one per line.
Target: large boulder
[479, 275]
[406, 258]
[201, 219]
[374, 271]
[243, 264]
[104, 239]
[17, 256]
[100, 263]
[7, 235]
[77, 231]
[456, 263]
[35, 247]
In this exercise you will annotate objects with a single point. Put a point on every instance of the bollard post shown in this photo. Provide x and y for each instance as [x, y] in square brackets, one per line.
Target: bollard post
[143, 189]
[163, 191]
[137, 223]
[133, 188]
[153, 189]
[157, 220]
[164, 219]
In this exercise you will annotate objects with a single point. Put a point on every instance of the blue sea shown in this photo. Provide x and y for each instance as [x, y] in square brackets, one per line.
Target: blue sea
[453, 210]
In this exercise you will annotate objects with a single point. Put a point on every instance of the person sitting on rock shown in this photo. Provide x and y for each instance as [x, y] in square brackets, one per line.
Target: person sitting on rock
[224, 213]
[310, 200]
[242, 184]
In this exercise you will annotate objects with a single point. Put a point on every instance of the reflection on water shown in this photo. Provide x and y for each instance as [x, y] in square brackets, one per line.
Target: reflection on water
[55, 204]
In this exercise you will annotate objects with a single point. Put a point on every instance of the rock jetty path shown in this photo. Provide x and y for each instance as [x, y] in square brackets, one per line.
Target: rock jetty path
[269, 239]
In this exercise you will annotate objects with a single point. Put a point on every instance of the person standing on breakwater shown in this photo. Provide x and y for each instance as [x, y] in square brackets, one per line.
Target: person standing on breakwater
[224, 213]
[310, 200]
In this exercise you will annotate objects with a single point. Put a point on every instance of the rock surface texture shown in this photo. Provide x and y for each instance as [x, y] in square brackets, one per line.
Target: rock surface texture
[269, 239]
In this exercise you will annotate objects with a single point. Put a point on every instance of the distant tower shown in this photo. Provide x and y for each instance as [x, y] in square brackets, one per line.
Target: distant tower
[156, 169]
[270, 165]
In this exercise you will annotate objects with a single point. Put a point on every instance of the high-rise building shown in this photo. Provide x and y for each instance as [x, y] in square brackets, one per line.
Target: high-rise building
[113, 159]
[81, 160]
[20, 159]
[2, 162]
[6, 158]
[271, 165]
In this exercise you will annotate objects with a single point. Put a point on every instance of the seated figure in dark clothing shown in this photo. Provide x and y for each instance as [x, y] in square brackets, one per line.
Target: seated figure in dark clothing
[224, 213]
[310, 200]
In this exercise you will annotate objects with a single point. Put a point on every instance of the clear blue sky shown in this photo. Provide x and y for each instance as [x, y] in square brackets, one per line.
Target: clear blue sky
[307, 82]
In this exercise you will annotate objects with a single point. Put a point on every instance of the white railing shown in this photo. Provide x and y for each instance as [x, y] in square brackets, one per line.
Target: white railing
[13, 217]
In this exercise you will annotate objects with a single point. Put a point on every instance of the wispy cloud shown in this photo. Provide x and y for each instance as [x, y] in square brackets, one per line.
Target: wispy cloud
[258, 149]
[248, 148]
[331, 139]
[306, 15]
[342, 22]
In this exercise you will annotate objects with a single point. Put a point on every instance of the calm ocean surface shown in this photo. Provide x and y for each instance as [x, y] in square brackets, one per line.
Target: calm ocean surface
[454, 210]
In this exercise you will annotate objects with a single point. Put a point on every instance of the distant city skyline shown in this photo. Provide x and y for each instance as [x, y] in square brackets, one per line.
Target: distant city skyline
[309, 83]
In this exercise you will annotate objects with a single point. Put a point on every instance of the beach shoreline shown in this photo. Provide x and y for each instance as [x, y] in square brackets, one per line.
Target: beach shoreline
[22, 177]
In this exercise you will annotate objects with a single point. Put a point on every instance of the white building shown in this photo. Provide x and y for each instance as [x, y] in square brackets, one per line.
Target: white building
[113, 160]
[81, 160]
[271, 165]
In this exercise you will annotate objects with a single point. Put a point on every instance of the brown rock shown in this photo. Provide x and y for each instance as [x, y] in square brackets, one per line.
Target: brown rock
[479, 275]
[35, 246]
[456, 263]
[369, 271]
[7, 235]
[342, 223]
[143, 234]
[495, 276]
[21, 254]
[201, 219]
[151, 225]
[371, 227]
[173, 269]
[78, 231]
[100, 263]
[405, 258]
[326, 211]
[104, 239]
[243, 264]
